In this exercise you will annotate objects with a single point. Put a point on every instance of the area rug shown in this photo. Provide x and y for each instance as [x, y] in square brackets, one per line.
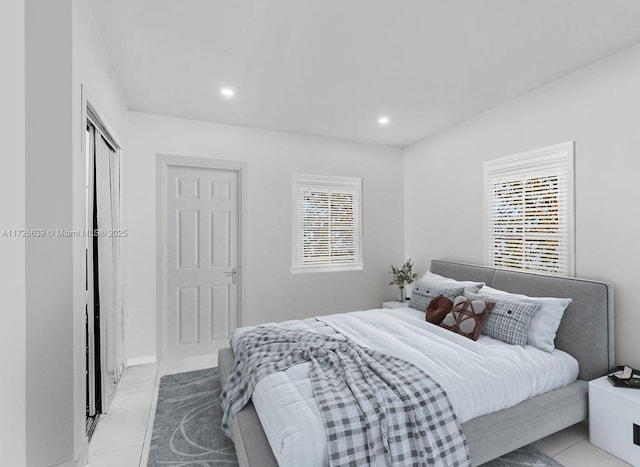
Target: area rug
[527, 456]
[186, 429]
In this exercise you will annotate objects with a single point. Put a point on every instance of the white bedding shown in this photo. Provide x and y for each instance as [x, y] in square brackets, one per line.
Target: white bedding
[479, 377]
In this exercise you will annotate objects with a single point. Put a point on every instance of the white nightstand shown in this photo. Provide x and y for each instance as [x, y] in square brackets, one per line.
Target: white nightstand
[396, 304]
[614, 419]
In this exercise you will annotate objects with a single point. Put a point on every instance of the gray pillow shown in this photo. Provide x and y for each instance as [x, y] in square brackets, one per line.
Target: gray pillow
[509, 320]
[423, 292]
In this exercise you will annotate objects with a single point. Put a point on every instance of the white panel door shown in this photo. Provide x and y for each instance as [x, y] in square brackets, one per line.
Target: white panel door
[202, 259]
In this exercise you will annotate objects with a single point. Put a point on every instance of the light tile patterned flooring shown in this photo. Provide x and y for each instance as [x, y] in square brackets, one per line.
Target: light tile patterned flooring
[122, 436]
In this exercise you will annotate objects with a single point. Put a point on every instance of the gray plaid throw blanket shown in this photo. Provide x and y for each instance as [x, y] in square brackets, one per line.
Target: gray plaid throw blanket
[375, 407]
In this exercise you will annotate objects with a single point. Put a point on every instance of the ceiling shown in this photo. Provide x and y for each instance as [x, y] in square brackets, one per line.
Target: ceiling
[332, 67]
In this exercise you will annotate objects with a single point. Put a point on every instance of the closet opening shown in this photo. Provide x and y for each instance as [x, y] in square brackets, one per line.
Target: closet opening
[103, 284]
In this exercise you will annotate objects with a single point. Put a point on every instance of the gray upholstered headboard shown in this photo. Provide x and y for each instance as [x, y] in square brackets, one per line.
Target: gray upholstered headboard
[586, 331]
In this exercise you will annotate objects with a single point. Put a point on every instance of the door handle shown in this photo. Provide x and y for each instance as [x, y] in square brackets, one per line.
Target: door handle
[233, 274]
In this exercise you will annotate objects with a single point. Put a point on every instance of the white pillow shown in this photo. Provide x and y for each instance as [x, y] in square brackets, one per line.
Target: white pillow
[544, 322]
[441, 281]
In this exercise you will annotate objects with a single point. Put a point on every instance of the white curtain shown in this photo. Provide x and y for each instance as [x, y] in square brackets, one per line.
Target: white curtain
[107, 185]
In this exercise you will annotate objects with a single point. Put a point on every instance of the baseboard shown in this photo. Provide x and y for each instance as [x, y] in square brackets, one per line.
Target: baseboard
[141, 360]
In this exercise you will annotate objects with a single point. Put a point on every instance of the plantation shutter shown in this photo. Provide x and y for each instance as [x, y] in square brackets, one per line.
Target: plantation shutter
[529, 205]
[327, 217]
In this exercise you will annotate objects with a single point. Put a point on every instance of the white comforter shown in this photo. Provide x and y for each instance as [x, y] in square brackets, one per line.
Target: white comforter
[479, 377]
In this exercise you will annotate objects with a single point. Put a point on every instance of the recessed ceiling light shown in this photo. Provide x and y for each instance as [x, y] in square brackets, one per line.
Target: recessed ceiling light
[227, 92]
[384, 120]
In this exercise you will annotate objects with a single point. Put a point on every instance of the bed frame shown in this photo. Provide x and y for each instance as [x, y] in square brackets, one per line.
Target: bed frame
[586, 332]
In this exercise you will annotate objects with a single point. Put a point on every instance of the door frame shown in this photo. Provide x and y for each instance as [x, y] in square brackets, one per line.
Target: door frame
[163, 162]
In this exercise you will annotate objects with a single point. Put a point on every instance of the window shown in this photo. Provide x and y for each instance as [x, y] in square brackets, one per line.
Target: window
[529, 211]
[327, 218]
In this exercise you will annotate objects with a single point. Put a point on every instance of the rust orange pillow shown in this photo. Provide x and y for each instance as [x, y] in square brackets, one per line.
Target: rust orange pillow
[438, 308]
[467, 316]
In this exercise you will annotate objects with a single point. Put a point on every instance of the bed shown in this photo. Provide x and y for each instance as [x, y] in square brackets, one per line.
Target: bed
[585, 333]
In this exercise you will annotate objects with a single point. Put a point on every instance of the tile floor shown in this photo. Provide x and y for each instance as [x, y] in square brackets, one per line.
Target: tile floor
[122, 437]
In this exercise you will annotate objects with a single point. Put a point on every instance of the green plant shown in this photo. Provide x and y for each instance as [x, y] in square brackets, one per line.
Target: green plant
[403, 275]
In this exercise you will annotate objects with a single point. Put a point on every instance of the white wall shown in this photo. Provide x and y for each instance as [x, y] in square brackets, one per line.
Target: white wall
[43, 182]
[95, 80]
[49, 268]
[94, 71]
[598, 108]
[12, 250]
[273, 293]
